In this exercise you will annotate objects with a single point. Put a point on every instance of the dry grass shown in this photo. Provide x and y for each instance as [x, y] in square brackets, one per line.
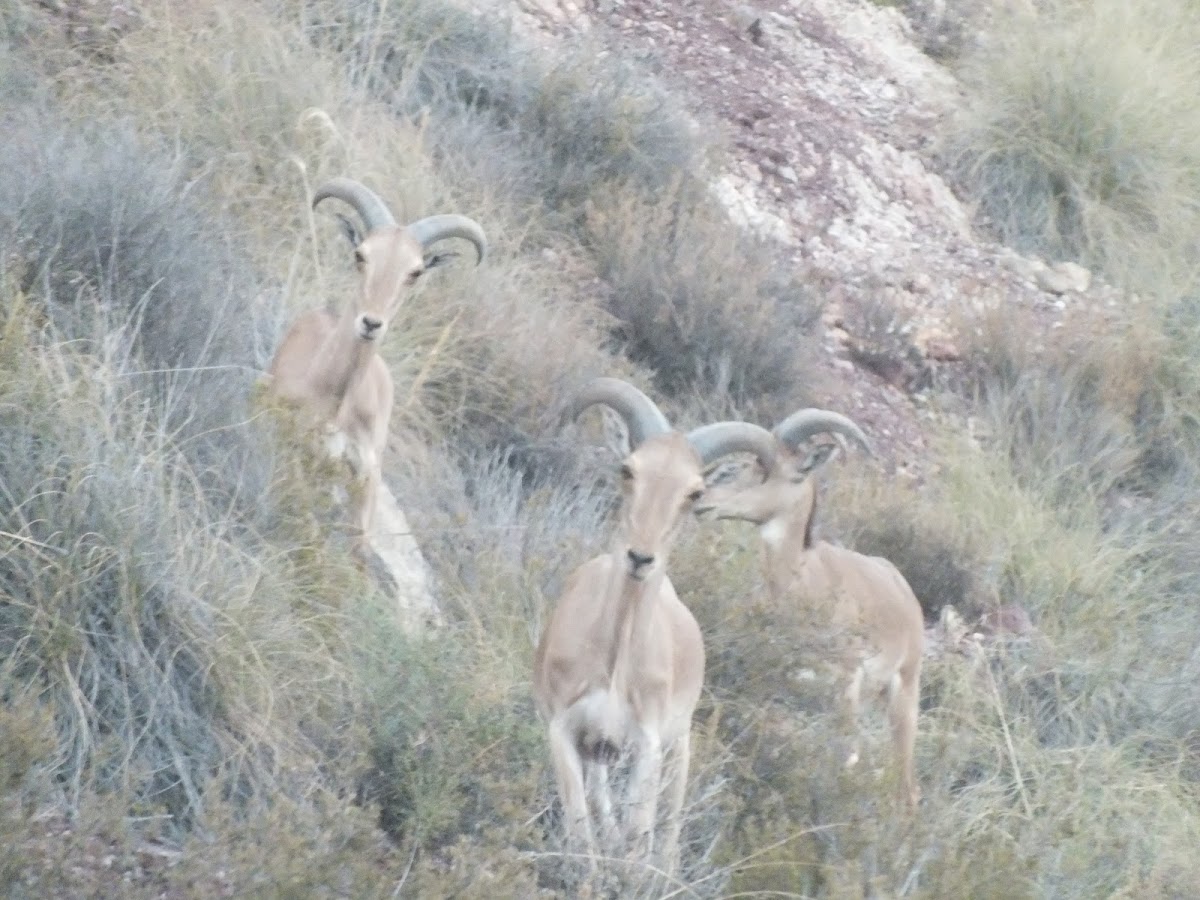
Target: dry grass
[102, 225]
[157, 616]
[551, 130]
[189, 664]
[1026, 751]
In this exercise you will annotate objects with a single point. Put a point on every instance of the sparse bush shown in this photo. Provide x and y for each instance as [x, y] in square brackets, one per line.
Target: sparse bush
[938, 564]
[488, 362]
[705, 309]
[556, 129]
[881, 340]
[478, 516]
[453, 755]
[1104, 409]
[1081, 140]
[946, 29]
[320, 846]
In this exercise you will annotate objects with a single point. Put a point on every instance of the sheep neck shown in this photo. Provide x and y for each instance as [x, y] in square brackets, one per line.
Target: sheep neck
[633, 603]
[341, 359]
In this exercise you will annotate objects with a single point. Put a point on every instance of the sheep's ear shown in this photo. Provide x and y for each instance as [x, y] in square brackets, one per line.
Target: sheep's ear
[817, 457]
[729, 471]
[350, 230]
[433, 260]
[616, 433]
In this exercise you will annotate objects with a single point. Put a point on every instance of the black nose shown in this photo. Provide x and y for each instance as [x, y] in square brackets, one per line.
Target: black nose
[370, 324]
[639, 561]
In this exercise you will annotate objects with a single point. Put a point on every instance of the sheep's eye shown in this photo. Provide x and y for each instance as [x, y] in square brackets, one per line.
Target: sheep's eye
[626, 473]
[695, 495]
[358, 256]
[414, 275]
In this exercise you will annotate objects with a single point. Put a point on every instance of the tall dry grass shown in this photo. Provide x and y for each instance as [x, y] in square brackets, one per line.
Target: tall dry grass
[194, 679]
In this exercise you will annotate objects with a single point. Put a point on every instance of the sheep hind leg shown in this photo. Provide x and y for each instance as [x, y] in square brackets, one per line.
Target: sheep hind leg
[903, 708]
[851, 704]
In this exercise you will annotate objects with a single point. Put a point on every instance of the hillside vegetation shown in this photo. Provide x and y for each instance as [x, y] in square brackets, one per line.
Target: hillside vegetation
[201, 696]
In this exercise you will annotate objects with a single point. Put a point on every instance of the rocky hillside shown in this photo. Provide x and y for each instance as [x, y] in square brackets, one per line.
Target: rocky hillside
[742, 209]
[831, 112]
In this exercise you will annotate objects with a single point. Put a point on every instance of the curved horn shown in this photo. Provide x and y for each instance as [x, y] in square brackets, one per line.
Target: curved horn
[436, 228]
[804, 423]
[642, 417]
[366, 203]
[722, 438]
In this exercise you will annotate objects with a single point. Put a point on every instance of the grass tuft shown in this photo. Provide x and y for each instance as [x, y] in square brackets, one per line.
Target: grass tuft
[1081, 139]
[707, 310]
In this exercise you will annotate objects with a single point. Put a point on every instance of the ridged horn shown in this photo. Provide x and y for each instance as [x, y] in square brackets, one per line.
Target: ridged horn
[804, 423]
[723, 438]
[373, 211]
[642, 416]
[432, 229]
